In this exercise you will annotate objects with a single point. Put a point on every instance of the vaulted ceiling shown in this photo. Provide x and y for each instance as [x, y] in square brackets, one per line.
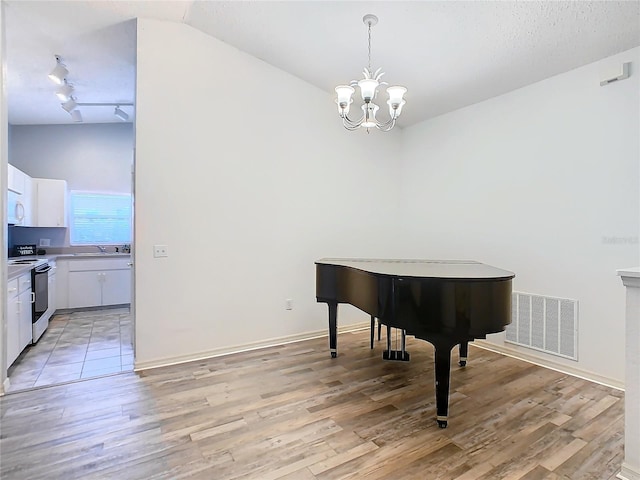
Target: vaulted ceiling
[448, 54]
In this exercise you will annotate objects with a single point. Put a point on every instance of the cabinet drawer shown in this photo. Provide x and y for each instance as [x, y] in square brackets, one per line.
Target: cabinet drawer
[12, 288]
[101, 264]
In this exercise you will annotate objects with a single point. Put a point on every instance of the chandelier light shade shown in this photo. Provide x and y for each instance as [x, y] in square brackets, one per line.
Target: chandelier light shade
[59, 72]
[368, 90]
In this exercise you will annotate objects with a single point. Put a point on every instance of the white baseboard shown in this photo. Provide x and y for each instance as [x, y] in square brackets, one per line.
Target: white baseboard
[504, 350]
[272, 342]
[544, 362]
[628, 473]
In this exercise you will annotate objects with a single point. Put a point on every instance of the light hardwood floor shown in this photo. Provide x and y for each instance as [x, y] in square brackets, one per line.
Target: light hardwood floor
[293, 413]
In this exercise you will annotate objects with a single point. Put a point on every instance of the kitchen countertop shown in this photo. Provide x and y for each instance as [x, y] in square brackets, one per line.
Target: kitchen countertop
[14, 271]
[68, 256]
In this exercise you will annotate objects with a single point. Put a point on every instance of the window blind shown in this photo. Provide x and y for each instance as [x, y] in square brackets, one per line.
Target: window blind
[100, 218]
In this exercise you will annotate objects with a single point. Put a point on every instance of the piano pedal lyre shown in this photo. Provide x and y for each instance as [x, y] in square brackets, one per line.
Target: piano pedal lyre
[396, 355]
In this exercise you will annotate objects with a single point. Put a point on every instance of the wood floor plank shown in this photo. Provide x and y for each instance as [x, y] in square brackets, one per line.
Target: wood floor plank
[293, 413]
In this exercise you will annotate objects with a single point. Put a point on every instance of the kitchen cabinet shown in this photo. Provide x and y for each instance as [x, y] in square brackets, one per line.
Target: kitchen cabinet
[62, 283]
[13, 322]
[50, 202]
[25, 299]
[116, 287]
[94, 282]
[85, 289]
[19, 198]
[52, 299]
[19, 328]
[15, 179]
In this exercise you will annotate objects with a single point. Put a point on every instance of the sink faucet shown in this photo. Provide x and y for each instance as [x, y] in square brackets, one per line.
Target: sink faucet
[102, 249]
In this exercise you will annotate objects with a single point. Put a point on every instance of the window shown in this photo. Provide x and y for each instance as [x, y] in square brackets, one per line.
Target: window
[100, 218]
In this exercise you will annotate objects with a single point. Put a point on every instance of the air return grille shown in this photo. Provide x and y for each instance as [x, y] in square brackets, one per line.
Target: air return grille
[547, 324]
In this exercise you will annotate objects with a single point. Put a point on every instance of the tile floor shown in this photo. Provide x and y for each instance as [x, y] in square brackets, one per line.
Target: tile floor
[77, 345]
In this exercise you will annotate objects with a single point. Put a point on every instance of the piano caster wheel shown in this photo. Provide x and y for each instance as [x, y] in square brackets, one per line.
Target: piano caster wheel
[442, 423]
[462, 363]
[334, 354]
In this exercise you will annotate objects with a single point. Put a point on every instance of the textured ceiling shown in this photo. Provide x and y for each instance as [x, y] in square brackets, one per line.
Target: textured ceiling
[448, 54]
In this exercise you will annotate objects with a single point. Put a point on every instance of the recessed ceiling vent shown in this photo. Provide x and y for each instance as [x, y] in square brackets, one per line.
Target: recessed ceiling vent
[547, 324]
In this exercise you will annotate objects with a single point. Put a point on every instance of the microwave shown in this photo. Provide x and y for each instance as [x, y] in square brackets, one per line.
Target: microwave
[15, 208]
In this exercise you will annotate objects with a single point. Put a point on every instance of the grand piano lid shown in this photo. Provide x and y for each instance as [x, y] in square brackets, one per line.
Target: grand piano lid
[453, 269]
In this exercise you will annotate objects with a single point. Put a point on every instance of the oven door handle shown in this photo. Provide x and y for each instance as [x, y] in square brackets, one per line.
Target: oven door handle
[43, 270]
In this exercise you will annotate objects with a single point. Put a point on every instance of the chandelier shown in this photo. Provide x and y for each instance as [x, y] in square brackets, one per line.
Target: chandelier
[368, 90]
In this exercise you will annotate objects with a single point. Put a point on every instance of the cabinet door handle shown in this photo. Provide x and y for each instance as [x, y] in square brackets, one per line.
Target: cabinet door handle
[19, 208]
[18, 307]
[11, 290]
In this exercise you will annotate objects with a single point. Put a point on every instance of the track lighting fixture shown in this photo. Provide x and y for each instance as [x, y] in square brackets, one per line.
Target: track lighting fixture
[118, 112]
[121, 114]
[69, 105]
[59, 72]
[69, 102]
[64, 92]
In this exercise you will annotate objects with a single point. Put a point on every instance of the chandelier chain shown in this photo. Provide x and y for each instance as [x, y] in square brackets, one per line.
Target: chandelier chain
[370, 46]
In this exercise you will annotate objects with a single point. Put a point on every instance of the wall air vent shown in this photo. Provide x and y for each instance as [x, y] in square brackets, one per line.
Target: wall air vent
[547, 324]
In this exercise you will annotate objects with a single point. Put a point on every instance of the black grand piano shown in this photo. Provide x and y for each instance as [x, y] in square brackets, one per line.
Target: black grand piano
[445, 302]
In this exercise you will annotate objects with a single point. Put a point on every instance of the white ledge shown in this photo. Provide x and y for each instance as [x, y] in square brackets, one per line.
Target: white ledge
[629, 272]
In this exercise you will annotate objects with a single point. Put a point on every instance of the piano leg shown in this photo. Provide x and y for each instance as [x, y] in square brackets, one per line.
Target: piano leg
[464, 351]
[373, 329]
[333, 328]
[443, 369]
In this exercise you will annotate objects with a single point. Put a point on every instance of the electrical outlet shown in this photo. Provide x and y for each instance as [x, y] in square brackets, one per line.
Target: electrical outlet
[160, 251]
[288, 304]
[45, 242]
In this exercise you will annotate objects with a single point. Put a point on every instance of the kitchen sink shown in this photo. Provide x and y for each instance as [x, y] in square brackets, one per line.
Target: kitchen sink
[97, 254]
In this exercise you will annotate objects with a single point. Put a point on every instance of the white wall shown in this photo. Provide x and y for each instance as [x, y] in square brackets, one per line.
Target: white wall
[96, 157]
[543, 181]
[246, 174]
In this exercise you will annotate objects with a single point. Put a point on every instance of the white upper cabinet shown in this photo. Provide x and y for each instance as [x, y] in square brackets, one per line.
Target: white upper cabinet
[50, 202]
[15, 179]
[27, 202]
[19, 199]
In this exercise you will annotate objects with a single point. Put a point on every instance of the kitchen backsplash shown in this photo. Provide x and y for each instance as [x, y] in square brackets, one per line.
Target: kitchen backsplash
[56, 237]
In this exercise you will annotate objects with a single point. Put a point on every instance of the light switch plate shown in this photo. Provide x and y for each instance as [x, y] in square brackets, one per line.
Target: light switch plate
[160, 251]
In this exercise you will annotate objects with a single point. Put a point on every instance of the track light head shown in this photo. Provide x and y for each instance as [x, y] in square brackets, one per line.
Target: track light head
[76, 116]
[121, 114]
[59, 72]
[64, 92]
[69, 105]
